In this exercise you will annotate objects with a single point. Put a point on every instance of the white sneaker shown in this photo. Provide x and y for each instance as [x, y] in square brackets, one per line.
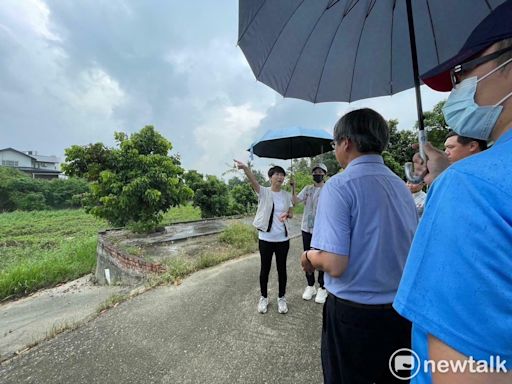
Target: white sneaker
[321, 295]
[262, 305]
[282, 307]
[309, 292]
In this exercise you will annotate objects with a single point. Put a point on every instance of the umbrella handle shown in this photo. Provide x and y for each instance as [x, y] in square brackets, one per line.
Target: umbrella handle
[409, 174]
[408, 167]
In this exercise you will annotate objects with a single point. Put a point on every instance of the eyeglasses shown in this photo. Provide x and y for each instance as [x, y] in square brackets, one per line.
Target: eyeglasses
[459, 70]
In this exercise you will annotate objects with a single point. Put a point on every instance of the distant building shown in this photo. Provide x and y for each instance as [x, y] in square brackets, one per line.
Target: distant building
[37, 166]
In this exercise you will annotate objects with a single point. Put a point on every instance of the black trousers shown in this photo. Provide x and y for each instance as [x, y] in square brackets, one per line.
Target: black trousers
[267, 249]
[310, 277]
[358, 341]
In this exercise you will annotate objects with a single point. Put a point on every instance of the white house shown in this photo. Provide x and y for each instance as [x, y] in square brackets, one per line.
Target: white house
[37, 166]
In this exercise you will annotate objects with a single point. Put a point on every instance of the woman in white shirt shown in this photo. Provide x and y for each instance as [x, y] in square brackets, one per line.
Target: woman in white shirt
[274, 209]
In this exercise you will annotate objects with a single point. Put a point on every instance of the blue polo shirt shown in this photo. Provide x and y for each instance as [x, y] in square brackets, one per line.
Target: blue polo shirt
[457, 283]
[368, 214]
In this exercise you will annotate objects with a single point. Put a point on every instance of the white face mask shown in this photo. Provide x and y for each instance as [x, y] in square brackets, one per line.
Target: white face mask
[465, 116]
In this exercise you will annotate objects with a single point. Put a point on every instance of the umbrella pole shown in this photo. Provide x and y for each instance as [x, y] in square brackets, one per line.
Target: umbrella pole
[422, 138]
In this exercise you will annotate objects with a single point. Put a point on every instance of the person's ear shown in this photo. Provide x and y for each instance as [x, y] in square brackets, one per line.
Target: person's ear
[347, 144]
[473, 147]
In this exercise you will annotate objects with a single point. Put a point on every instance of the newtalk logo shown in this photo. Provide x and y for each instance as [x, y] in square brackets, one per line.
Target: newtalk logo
[405, 364]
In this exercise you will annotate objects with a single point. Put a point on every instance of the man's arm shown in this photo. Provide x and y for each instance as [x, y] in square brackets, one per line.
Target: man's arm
[440, 351]
[331, 263]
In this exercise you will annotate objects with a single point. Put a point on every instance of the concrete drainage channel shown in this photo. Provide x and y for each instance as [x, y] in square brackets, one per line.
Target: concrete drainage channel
[115, 264]
[119, 274]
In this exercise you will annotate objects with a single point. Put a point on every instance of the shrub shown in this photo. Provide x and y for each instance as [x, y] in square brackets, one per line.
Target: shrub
[241, 236]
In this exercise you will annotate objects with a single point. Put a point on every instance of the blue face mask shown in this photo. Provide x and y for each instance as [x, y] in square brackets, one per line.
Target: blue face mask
[465, 116]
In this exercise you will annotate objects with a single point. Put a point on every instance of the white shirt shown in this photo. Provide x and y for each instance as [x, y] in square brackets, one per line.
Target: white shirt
[282, 203]
[309, 195]
[419, 200]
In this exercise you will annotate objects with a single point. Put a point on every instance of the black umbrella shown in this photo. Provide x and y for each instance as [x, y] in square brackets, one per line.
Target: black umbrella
[347, 50]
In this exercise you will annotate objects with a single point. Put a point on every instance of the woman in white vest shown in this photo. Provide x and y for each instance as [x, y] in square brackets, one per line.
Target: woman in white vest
[274, 209]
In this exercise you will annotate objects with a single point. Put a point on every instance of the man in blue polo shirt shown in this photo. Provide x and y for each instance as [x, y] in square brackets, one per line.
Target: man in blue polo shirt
[457, 284]
[364, 225]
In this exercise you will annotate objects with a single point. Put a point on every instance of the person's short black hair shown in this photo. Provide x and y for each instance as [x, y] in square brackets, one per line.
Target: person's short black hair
[364, 127]
[464, 140]
[276, 169]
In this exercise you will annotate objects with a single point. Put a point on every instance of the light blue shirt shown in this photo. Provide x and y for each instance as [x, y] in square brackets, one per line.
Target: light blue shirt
[368, 214]
[457, 284]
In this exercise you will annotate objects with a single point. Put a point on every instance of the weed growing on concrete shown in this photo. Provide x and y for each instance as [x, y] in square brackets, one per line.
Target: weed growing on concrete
[241, 236]
[112, 301]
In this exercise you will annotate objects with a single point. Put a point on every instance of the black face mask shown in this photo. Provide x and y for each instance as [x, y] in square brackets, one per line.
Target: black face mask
[318, 178]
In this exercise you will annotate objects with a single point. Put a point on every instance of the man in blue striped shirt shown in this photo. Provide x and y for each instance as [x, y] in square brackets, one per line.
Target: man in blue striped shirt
[365, 222]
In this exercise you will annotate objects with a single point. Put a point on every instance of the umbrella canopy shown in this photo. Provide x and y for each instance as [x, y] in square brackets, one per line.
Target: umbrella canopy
[347, 50]
[292, 143]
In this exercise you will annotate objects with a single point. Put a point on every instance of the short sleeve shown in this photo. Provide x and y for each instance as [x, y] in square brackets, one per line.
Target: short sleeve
[332, 221]
[457, 284]
[303, 194]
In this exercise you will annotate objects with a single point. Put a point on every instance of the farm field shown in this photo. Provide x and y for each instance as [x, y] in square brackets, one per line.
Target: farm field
[41, 249]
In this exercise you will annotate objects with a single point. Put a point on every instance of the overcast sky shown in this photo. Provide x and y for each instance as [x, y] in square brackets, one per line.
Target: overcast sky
[74, 72]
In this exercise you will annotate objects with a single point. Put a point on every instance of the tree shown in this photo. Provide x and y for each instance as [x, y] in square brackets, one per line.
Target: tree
[436, 126]
[399, 149]
[138, 181]
[193, 179]
[20, 191]
[243, 199]
[87, 161]
[212, 197]
[393, 164]
[329, 159]
[234, 182]
[60, 193]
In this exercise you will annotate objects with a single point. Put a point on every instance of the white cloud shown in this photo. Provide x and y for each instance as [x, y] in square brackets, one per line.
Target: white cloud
[72, 72]
[97, 93]
[35, 21]
[225, 137]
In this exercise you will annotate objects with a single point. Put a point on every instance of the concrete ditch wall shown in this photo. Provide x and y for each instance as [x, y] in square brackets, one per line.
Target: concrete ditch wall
[116, 267]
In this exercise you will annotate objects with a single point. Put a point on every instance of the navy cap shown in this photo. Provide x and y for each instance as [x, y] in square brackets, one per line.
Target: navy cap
[495, 27]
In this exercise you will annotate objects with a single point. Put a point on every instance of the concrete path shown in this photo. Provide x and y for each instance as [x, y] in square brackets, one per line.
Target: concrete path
[205, 331]
[31, 319]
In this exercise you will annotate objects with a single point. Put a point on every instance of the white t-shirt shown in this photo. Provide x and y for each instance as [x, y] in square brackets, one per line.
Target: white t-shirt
[419, 200]
[309, 195]
[277, 232]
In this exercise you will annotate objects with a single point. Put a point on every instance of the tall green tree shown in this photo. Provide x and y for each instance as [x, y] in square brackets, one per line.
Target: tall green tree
[138, 181]
[399, 149]
[212, 197]
[435, 125]
[193, 179]
[87, 161]
[243, 199]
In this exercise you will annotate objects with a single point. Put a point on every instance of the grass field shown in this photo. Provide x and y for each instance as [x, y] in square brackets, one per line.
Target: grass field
[41, 249]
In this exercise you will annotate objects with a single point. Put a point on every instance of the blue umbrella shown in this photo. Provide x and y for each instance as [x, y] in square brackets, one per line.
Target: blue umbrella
[292, 143]
[347, 50]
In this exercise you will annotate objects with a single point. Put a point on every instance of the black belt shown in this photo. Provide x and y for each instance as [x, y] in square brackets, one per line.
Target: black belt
[360, 305]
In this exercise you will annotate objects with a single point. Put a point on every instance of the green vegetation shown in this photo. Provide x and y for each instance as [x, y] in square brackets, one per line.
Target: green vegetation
[241, 236]
[18, 191]
[180, 214]
[215, 198]
[236, 240]
[112, 301]
[133, 184]
[45, 248]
